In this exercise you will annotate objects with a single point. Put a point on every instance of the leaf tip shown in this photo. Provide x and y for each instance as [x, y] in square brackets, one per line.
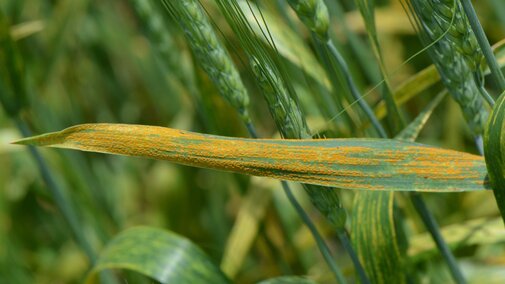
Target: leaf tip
[23, 141]
[39, 140]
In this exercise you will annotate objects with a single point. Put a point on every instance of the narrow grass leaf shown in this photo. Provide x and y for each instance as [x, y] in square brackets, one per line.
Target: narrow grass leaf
[411, 132]
[494, 151]
[412, 87]
[374, 236]
[158, 254]
[426, 79]
[362, 164]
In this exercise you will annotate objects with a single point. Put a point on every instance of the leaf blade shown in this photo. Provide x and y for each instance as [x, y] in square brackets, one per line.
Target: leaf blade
[159, 254]
[361, 164]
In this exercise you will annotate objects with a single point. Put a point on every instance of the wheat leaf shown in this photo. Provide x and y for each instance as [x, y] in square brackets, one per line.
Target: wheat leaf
[160, 255]
[361, 164]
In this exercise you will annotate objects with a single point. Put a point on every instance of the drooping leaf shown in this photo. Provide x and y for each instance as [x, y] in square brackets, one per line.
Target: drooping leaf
[362, 164]
[160, 255]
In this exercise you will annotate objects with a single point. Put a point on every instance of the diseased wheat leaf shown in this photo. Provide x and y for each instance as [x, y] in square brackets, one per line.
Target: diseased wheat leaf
[374, 236]
[361, 164]
[160, 255]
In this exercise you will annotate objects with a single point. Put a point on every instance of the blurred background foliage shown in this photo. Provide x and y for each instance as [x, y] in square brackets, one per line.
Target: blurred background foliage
[100, 61]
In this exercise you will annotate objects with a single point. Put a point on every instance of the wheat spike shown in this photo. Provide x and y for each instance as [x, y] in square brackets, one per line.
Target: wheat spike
[314, 14]
[211, 54]
[456, 55]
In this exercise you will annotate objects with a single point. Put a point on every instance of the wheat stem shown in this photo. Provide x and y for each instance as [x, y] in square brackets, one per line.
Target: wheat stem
[484, 44]
[354, 89]
[432, 226]
[321, 244]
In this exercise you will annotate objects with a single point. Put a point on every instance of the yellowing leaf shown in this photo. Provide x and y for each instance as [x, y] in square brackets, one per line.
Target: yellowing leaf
[361, 164]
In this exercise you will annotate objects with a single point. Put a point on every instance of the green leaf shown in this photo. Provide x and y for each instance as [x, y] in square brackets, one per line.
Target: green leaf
[374, 236]
[412, 130]
[412, 87]
[494, 151]
[361, 164]
[159, 254]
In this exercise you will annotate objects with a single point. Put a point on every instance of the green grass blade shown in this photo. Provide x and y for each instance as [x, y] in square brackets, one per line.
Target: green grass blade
[412, 87]
[26, 29]
[361, 164]
[412, 130]
[374, 236]
[160, 255]
[494, 151]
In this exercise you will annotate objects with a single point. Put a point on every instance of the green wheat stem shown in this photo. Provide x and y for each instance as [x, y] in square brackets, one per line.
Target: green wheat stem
[314, 15]
[321, 244]
[346, 243]
[484, 44]
[432, 226]
[354, 89]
